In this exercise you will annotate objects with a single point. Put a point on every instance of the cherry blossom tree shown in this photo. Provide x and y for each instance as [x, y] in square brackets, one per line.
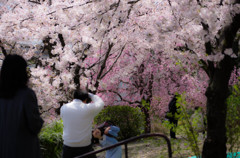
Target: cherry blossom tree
[135, 49]
[150, 84]
[63, 51]
[216, 42]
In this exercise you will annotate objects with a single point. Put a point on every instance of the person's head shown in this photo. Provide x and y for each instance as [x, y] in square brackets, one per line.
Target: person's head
[82, 95]
[96, 136]
[13, 75]
[97, 133]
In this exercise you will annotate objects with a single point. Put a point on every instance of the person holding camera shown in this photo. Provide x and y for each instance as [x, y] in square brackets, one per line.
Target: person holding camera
[106, 135]
[77, 119]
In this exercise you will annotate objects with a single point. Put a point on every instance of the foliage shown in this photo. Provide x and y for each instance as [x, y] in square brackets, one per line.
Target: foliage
[51, 140]
[233, 120]
[129, 119]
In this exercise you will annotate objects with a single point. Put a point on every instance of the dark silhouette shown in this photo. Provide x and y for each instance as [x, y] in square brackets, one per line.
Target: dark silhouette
[171, 116]
[20, 121]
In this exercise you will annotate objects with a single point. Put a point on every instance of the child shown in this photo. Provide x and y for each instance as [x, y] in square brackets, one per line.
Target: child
[108, 138]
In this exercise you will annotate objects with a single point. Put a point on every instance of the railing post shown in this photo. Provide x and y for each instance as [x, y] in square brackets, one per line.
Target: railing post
[126, 150]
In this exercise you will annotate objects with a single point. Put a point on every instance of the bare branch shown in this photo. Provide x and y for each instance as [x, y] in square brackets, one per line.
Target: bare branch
[26, 19]
[76, 76]
[199, 3]
[221, 2]
[132, 4]
[36, 2]
[169, 2]
[120, 96]
[114, 62]
[60, 36]
[14, 7]
[13, 46]
[103, 66]
[185, 48]
[3, 49]
[204, 66]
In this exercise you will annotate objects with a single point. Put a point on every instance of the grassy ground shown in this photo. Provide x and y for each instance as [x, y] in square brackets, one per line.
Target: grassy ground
[156, 147]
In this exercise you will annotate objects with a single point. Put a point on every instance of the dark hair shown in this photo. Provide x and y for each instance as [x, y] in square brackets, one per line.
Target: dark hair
[94, 140]
[104, 125]
[13, 75]
[82, 95]
[197, 108]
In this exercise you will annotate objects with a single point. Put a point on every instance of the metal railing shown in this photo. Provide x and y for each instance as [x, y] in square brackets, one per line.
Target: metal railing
[125, 142]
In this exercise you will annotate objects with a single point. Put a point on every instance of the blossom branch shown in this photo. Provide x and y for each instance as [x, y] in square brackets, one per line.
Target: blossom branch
[120, 96]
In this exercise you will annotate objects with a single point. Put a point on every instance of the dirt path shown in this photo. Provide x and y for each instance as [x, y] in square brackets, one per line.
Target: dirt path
[154, 148]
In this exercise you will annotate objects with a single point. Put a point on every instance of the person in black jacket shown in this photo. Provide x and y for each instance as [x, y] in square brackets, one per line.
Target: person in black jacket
[20, 120]
[171, 116]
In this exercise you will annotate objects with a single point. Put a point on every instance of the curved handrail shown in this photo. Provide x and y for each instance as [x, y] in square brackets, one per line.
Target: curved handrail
[130, 140]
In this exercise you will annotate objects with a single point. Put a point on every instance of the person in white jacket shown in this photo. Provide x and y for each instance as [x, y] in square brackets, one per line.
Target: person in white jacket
[77, 119]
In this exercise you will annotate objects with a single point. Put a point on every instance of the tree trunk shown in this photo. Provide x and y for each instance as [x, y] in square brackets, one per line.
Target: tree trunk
[217, 93]
[145, 111]
[148, 121]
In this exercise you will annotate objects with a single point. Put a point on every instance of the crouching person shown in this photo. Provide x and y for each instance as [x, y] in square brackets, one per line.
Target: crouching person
[108, 138]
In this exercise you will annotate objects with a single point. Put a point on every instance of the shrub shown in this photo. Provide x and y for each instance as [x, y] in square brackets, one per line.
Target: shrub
[233, 120]
[130, 120]
[187, 126]
[51, 140]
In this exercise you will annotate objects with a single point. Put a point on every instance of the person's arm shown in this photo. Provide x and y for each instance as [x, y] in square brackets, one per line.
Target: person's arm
[112, 130]
[31, 110]
[96, 105]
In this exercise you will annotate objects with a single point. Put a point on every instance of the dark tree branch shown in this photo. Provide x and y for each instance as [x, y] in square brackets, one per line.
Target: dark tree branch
[26, 19]
[150, 89]
[103, 66]
[3, 49]
[229, 33]
[132, 4]
[14, 7]
[43, 111]
[208, 47]
[60, 36]
[113, 62]
[120, 96]
[76, 76]
[13, 46]
[221, 2]
[204, 66]
[199, 3]
[48, 46]
[66, 8]
[36, 2]
[184, 48]
[169, 2]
